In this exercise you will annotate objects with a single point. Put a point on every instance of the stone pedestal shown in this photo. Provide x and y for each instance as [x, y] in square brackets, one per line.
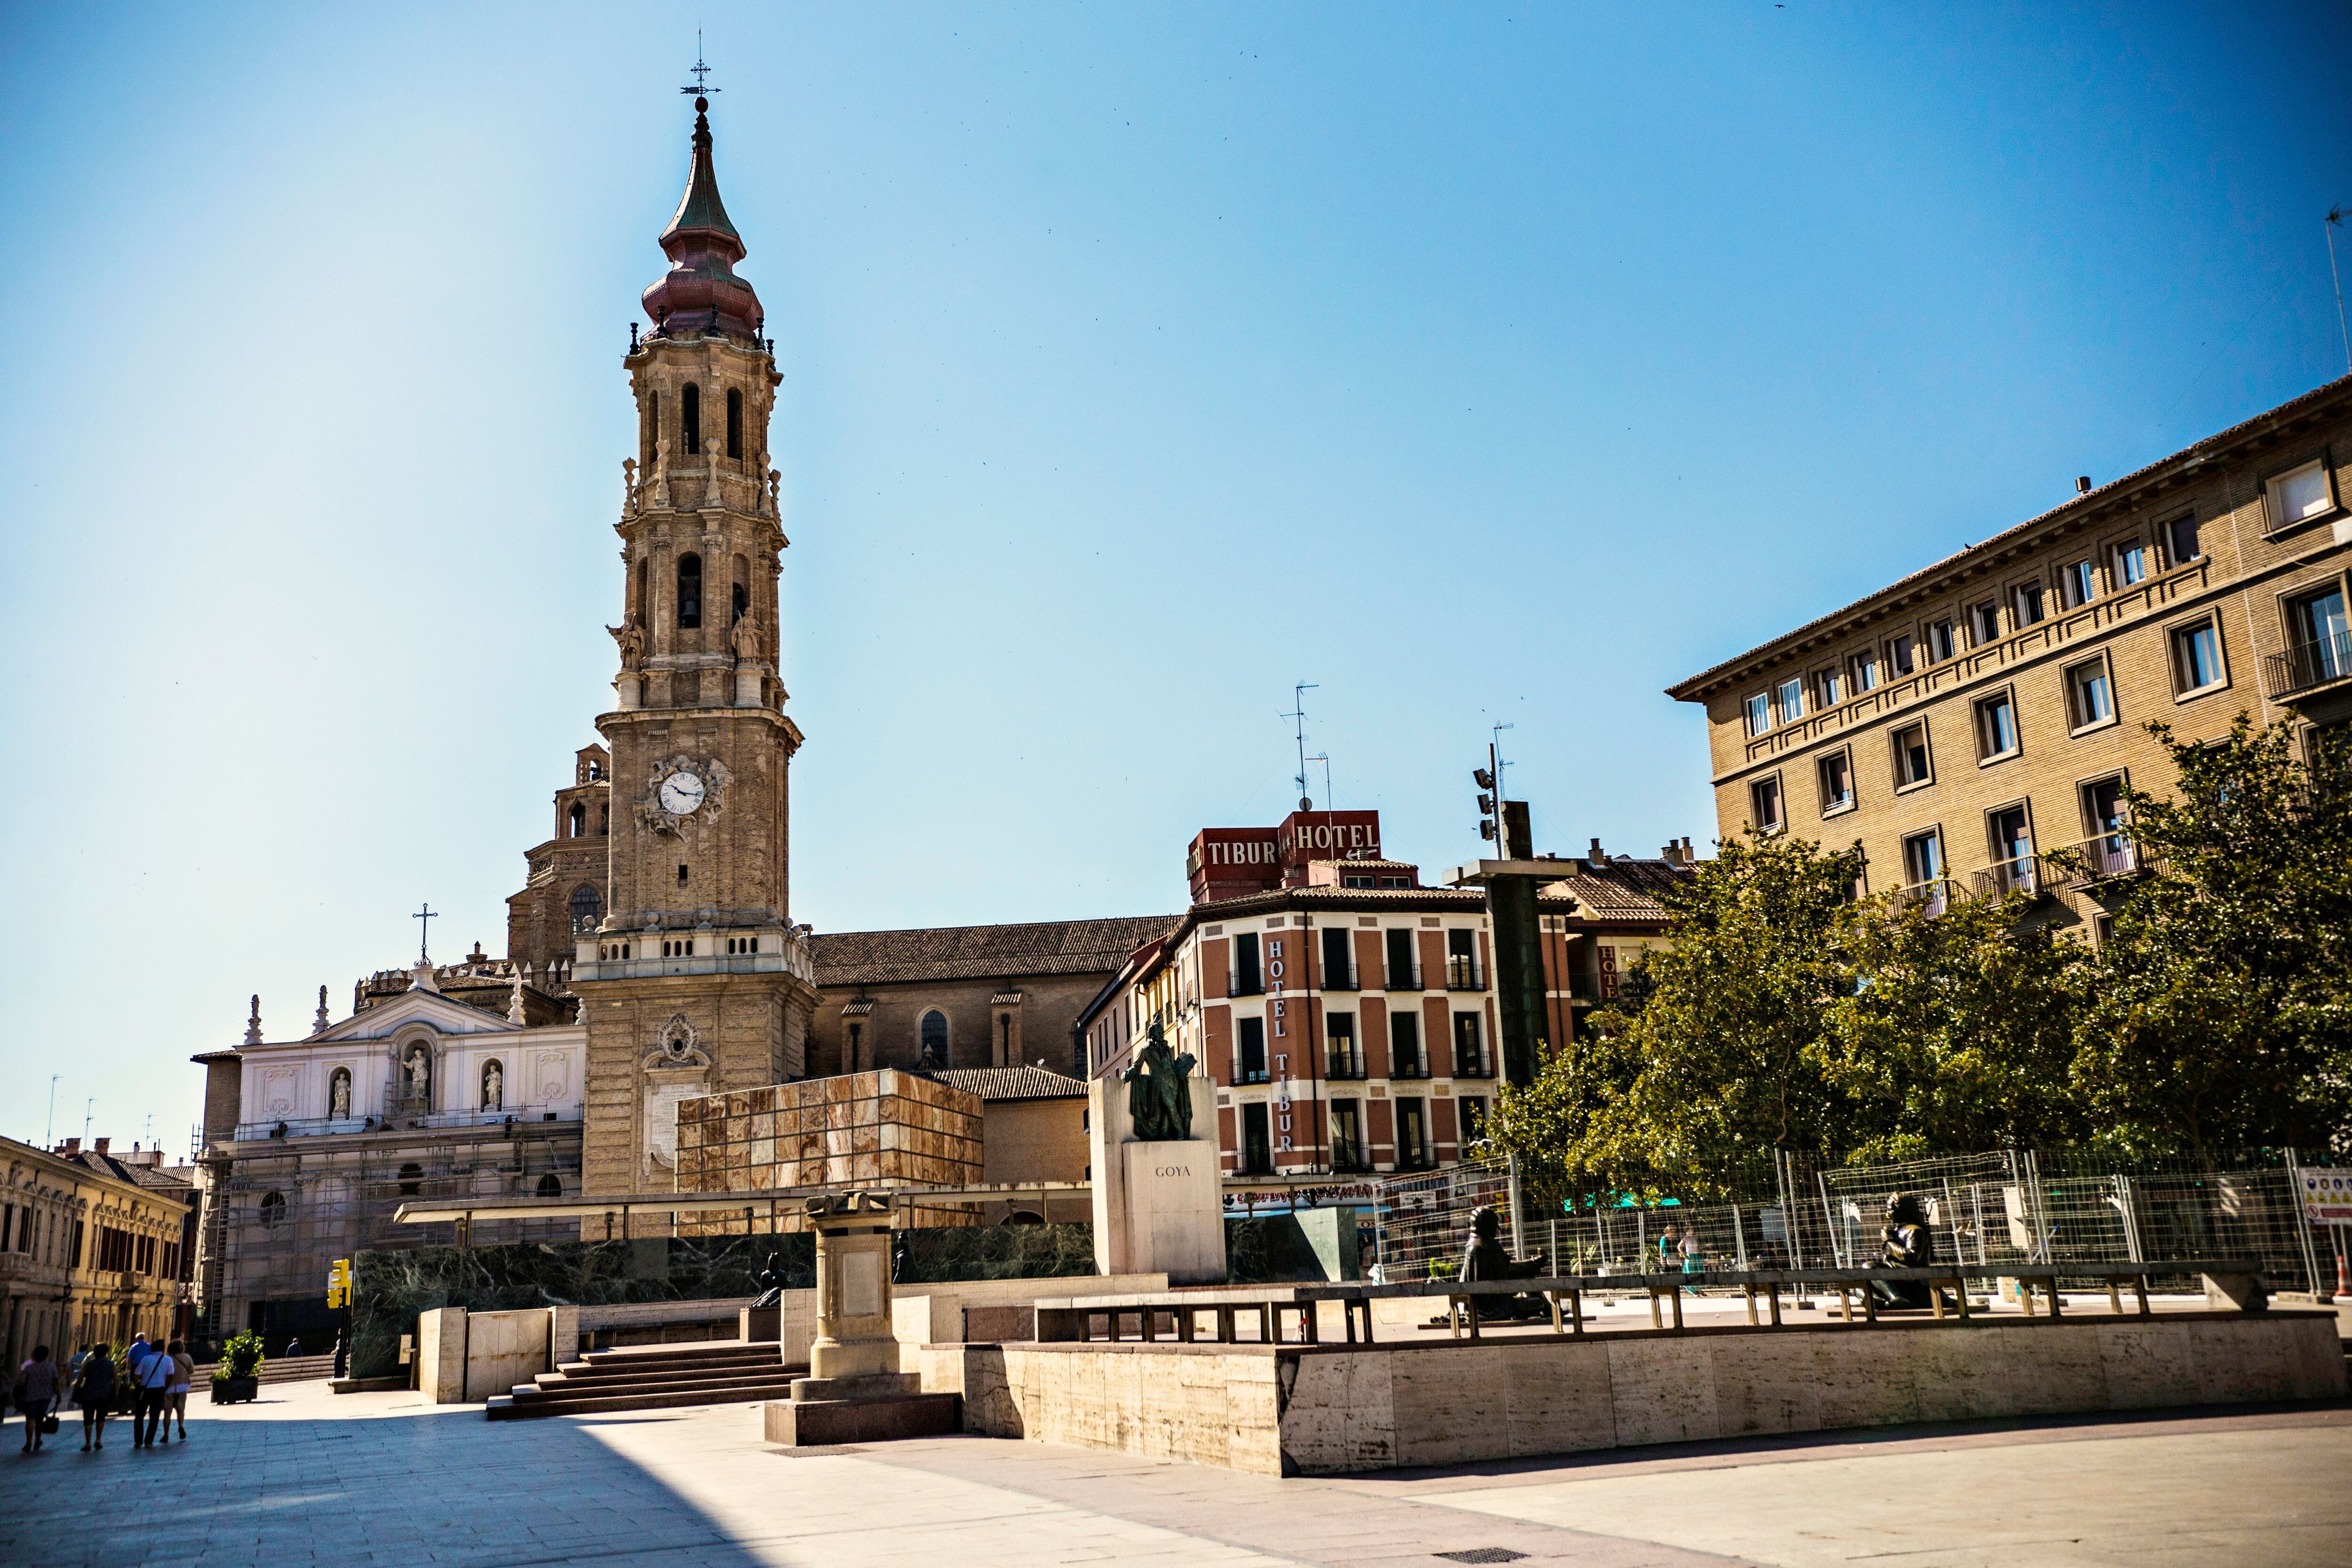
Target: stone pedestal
[855, 1391]
[1159, 1206]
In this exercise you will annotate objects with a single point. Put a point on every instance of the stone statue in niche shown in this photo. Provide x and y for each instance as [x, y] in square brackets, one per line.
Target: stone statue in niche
[494, 1088]
[1906, 1242]
[419, 1069]
[744, 638]
[338, 1096]
[1158, 1094]
[1485, 1258]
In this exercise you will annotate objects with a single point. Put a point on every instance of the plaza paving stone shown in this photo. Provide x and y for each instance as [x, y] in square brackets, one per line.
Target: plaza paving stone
[302, 1476]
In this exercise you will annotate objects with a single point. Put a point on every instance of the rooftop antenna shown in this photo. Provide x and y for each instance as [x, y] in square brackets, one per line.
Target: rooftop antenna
[1494, 757]
[89, 1114]
[49, 1139]
[2335, 216]
[1330, 802]
[1298, 712]
[700, 72]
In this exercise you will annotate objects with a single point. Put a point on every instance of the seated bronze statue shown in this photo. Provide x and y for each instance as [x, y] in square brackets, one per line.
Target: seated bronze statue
[1485, 1258]
[1906, 1243]
[771, 1281]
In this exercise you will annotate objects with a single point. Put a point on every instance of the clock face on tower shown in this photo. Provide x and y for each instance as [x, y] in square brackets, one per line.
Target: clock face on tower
[681, 793]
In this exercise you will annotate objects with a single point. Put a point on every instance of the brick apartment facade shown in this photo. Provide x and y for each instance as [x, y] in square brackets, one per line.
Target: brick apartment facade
[1966, 721]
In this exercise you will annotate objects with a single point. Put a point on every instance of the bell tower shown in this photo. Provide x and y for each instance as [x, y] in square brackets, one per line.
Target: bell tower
[694, 981]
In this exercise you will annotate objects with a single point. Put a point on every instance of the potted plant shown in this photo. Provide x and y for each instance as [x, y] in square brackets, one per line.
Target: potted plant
[236, 1377]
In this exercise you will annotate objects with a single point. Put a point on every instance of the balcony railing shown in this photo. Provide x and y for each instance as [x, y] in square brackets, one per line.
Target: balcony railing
[2025, 873]
[1348, 1154]
[1583, 987]
[2307, 664]
[1412, 1158]
[1404, 976]
[1934, 896]
[1248, 1074]
[1343, 1062]
[1465, 974]
[1237, 985]
[1470, 1063]
[2096, 860]
[1340, 977]
[1414, 1066]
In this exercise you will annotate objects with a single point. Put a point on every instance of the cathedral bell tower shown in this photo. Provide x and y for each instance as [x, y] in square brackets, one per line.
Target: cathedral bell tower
[694, 981]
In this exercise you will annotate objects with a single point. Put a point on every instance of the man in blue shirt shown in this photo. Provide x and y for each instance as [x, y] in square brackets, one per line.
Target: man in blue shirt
[136, 1356]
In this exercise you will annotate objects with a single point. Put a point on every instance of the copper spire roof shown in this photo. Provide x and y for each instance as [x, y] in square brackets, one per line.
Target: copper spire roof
[700, 292]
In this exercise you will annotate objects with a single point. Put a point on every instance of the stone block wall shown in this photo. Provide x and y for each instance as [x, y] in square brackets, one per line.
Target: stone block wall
[886, 1126]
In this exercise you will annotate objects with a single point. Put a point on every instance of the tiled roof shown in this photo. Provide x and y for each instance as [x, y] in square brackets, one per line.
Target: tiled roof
[1011, 1083]
[981, 952]
[1696, 688]
[1627, 890]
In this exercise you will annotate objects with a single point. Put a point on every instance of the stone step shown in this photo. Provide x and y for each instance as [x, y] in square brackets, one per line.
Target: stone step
[730, 1355]
[557, 1383]
[524, 1405]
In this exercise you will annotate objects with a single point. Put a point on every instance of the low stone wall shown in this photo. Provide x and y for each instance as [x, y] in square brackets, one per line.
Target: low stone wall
[1327, 1409]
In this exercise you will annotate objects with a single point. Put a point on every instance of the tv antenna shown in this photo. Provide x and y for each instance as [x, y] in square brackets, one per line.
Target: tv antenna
[1494, 755]
[2335, 216]
[1298, 713]
[700, 72]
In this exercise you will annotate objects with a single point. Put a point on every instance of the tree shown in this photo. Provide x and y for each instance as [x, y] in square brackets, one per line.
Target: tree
[2221, 1018]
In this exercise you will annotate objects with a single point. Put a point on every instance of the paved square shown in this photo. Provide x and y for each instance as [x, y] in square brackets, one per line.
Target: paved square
[304, 1478]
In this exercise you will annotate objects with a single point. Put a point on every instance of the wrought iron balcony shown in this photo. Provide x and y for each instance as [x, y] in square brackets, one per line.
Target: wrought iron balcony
[1415, 1066]
[2097, 859]
[2305, 665]
[1465, 974]
[1250, 1076]
[1934, 896]
[2025, 873]
[1236, 986]
[1349, 1155]
[1472, 1064]
[1405, 977]
[1343, 1062]
[1340, 977]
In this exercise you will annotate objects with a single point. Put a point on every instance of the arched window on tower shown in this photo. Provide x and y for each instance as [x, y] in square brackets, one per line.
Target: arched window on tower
[551, 1185]
[586, 905]
[743, 603]
[689, 590]
[734, 421]
[690, 408]
[934, 1029]
[644, 617]
[579, 818]
[648, 438]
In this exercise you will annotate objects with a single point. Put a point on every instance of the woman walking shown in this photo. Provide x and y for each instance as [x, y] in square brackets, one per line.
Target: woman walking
[183, 1377]
[94, 1391]
[37, 1390]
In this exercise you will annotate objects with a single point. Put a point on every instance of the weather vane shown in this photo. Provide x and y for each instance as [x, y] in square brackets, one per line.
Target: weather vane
[700, 71]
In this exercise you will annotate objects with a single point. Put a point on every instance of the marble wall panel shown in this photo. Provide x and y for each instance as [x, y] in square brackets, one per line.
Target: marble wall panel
[2147, 1363]
[1445, 1403]
[1765, 1383]
[1865, 1378]
[1340, 1414]
[1559, 1399]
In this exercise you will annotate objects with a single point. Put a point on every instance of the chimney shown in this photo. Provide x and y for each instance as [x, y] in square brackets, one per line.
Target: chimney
[2082, 484]
[73, 1147]
[99, 1146]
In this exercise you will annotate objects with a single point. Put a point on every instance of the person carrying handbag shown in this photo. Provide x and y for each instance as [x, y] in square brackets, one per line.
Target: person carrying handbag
[94, 1391]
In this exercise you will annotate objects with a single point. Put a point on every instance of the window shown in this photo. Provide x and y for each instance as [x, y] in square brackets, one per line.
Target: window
[1912, 763]
[1342, 1058]
[1837, 782]
[1413, 1133]
[1403, 966]
[1830, 686]
[1249, 1062]
[1473, 1112]
[1347, 1136]
[1470, 1048]
[1984, 622]
[934, 1035]
[1789, 700]
[2027, 601]
[2195, 657]
[1405, 1059]
[689, 590]
[2078, 583]
[1996, 727]
[2108, 852]
[1760, 713]
[2300, 494]
[1923, 858]
[1865, 670]
[1462, 969]
[743, 603]
[1903, 654]
[273, 1209]
[2089, 696]
[2013, 850]
[1941, 644]
[411, 1180]
[1764, 805]
[1339, 957]
[2131, 563]
[579, 818]
[2318, 642]
[691, 408]
[1244, 980]
[551, 1185]
[1257, 1147]
[2181, 539]
[734, 423]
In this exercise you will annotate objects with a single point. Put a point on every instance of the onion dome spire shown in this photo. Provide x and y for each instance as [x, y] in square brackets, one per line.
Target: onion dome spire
[700, 293]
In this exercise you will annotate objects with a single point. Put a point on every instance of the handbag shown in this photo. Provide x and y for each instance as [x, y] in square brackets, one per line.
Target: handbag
[49, 1426]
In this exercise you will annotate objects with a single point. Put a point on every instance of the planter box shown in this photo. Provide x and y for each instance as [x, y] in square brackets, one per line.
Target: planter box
[235, 1390]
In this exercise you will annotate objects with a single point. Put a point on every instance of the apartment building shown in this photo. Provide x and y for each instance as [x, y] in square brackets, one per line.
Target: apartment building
[1963, 723]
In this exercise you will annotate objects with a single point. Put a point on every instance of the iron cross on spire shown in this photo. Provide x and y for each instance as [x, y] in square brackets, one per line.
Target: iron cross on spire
[700, 72]
[425, 916]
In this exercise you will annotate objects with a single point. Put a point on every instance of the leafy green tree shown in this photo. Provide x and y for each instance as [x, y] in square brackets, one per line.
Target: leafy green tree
[2222, 1016]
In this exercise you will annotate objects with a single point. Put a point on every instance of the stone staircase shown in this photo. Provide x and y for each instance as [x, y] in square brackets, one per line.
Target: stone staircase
[651, 1377]
[278, 1369]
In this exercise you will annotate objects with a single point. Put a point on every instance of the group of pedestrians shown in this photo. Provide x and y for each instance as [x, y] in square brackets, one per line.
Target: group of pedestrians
[149, 1385]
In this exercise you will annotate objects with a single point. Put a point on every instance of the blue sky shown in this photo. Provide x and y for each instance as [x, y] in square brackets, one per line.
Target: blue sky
[1480, 364]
